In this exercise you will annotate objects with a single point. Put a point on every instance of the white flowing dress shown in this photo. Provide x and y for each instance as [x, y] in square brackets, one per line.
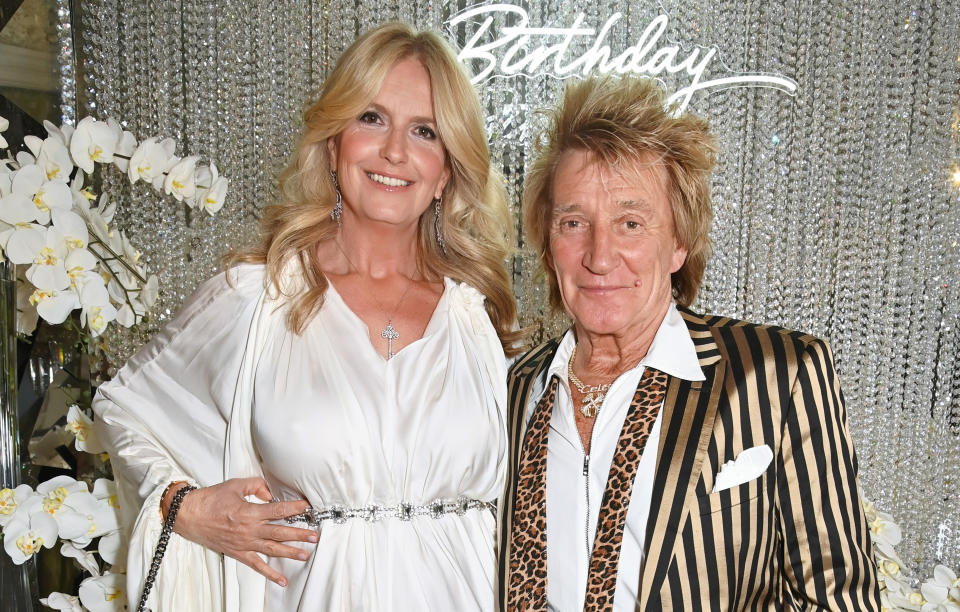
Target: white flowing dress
[226, 391]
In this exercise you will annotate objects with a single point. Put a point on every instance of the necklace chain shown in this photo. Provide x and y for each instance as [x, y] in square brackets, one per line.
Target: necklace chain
[389, 332]
[593, 395]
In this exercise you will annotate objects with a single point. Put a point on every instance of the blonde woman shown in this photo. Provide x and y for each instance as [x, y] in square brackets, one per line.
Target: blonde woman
[347, 375]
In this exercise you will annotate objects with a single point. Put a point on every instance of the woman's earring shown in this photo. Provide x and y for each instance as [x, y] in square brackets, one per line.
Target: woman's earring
[337, 211]
[436, 224]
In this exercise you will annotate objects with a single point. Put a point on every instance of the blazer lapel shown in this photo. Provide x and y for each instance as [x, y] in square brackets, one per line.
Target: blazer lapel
[521, 381]
[689, 413]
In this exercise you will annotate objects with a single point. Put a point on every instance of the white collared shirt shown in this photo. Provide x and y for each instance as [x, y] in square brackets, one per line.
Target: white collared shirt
[573, 500]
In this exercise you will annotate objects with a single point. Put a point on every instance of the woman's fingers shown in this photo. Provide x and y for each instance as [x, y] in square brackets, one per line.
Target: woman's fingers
[276, 549]
[280, 533]
[275, 511]
[258, 564]
[254, 486]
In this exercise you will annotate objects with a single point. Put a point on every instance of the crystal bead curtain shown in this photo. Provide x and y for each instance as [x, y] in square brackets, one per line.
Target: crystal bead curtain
[835, 208]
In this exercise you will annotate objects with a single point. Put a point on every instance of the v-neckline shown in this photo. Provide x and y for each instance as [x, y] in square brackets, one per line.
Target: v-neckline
[428, 330]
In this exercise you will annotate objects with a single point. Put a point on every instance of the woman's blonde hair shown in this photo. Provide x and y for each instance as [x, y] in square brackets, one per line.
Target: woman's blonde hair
[624, 124]
[475, 221]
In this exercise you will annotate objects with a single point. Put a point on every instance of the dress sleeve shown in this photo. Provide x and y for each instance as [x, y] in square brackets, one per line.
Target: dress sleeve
[828, 559]
[164, 417]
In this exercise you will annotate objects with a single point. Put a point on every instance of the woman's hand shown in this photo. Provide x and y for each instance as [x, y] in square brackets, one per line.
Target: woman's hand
[219, 518]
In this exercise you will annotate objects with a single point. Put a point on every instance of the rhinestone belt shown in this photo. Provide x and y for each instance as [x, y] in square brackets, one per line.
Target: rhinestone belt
[404, 512]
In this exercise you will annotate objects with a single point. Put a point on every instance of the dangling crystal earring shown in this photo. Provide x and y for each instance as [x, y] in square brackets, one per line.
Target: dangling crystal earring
[436, 224]
[337, 211]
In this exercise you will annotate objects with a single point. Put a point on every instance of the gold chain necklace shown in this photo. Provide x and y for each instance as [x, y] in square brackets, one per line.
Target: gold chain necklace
[593, 395]
[389, 332]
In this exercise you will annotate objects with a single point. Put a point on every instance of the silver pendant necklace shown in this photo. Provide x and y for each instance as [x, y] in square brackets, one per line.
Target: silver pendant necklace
[389, 332]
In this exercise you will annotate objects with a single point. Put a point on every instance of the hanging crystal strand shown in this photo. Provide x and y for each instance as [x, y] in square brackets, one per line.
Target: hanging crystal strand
[899, 299]
[320, 32]
[65, 62]
[777, 142]
[844, 319]
[948, 531]
[921, 365]
[98, 58]
[721, 292]
[813, 218]
[769, 237]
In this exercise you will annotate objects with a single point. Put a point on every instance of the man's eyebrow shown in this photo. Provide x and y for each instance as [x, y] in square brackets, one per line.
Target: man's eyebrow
[636, 205]
[561, 209]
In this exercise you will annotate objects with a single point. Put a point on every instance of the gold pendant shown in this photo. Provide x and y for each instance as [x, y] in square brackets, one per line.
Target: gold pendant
[590, 404]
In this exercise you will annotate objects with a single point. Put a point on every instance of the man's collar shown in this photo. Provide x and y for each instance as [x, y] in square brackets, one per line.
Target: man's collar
[673, 350]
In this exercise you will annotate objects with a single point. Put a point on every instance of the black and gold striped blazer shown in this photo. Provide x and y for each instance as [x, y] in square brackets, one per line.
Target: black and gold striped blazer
[793, 539]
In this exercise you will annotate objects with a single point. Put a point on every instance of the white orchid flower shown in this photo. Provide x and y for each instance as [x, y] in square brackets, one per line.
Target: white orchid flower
[17, 216]
[79, 515]
[105, 489]
[122, 285]
[97, 318]
[30, 530]
[884, 528]
[181, 179]
[27, 180]
[130, 253]
[942, 592]
[214, 197]
[130, 314]
[13, 499]
[82, 196]
[62, 601]
[34, 144]
[54, 159]
[93, 142]
[45, 195]
[84, 557]
[211, 189]
[105, 593]
[150, 291]
[72, 228]
[911, 600]
[47, 271]
[4, 124]
[150, 160]
[6, 178]
[63, 133]
[54, 306]
[203, 177]
[52, 196]
[81, 266]
[113, 548]
[81, 426]
[125, 146]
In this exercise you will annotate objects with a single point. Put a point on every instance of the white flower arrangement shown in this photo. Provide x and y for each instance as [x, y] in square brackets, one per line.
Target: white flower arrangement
[65, 509]
[58, 233]
[899, 591]
[49, 221]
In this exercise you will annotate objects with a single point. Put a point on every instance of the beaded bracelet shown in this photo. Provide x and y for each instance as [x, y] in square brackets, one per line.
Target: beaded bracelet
[162, 544]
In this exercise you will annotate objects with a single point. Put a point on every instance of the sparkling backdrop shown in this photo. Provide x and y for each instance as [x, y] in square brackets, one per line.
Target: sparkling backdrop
[836, 211]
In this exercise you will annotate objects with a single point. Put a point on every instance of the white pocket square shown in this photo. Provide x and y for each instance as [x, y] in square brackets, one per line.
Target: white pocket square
[749, 464]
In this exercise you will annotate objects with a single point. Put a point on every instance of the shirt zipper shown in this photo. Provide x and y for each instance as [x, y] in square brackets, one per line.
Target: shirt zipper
[586, 519]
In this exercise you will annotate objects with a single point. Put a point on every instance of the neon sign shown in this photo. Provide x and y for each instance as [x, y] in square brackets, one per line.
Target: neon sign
[524, 50]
